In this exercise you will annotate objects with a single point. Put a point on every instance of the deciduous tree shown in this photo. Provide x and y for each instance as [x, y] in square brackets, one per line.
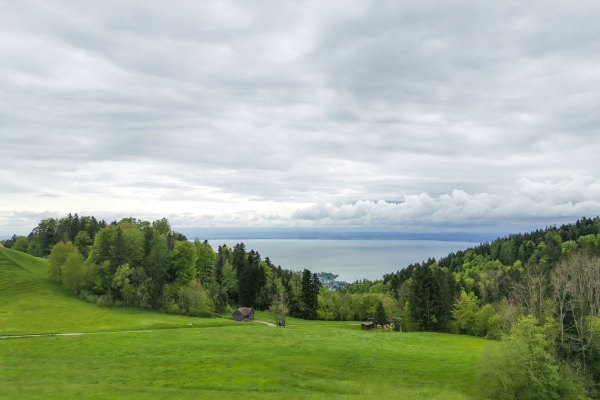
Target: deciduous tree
[58, 257]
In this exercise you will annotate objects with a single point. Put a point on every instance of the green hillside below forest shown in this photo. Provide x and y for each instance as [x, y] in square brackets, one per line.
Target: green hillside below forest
[214, 358]
[32, 303]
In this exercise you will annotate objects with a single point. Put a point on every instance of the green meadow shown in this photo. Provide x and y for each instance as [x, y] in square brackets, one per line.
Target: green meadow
[30, 303]
[130, 353]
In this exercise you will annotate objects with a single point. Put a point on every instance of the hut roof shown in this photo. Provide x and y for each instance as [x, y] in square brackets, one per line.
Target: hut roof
[368, 323]
[246, 311]
[1, 245]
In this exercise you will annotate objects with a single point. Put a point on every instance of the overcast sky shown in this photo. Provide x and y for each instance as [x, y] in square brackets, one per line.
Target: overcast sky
[405, 114]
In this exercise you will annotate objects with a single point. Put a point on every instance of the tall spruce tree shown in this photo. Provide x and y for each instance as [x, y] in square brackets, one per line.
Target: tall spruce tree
[424, 297]
[380, 317]
[104, 251]
[395, 286]
[310, 293]
[252, 280]
[316, 286]
[431, 298]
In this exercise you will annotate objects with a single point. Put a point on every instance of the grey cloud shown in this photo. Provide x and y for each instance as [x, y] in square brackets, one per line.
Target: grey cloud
[298, 102]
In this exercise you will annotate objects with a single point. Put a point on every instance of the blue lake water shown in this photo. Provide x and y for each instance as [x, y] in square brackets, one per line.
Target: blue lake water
[350, 259]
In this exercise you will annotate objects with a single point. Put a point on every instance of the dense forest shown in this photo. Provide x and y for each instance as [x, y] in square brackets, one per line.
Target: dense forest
[537, 293]
[147, 264]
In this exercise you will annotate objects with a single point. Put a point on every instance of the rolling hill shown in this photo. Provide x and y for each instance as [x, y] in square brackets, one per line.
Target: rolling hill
[215, 358]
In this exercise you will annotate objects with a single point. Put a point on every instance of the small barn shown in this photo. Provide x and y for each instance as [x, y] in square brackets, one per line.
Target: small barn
[1, 245]
[243, 314]
[367, 325]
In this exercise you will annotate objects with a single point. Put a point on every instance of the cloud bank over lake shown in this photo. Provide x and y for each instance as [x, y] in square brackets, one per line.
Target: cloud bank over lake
[306, 113]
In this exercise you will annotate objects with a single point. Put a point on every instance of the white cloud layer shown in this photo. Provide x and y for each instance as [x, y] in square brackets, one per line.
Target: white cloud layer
[299, 112]
[528, 201]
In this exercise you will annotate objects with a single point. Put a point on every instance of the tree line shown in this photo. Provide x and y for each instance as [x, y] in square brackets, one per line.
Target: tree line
[149, 265]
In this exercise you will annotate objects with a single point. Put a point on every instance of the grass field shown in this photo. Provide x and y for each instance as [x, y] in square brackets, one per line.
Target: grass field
[213, 359]
[32, 303]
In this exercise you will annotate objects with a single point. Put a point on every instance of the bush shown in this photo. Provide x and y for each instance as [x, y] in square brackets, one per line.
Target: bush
[521, 367]
[21, 244]
[484, 321]
[465, 312]
[104, 301]
[172, 308]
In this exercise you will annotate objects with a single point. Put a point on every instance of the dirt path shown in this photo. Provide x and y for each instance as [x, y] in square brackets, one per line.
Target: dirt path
[81, 333]
[265, 322]
[43, 335]
[107, 332]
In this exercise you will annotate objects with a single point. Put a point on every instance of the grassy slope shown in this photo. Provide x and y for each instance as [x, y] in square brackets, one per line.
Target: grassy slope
[309, 359]
[32, 303]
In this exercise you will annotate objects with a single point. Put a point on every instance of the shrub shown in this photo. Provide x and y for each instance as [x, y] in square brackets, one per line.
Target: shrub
[521, 367]
[484, 320]
[465, 312]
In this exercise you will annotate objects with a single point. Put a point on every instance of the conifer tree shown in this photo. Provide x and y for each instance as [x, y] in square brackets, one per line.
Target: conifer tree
[424, 296]
[310, 293]
[104, 252]
[380, 317]
[395, 286]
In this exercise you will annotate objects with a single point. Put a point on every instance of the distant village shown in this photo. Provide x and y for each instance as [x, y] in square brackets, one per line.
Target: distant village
[329, 281]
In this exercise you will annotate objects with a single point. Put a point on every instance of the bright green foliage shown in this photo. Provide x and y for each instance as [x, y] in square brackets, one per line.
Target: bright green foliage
[589, 243]
[205, 261]
[74, 273]
[21, 244]
[183, 263]
[465, 312]
[58, 257]
[162, 226]
[486, 322]
[380, 317]
[296, 304]
[194, 300]
[121, 282]
[230, 282]
[279, 310]
[568, 247]
[523, 368]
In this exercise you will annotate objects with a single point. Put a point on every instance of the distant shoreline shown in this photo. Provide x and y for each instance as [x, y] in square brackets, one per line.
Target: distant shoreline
[257, 235]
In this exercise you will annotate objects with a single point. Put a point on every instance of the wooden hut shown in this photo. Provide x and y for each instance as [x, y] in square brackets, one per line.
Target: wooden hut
[1, 245]
[243, 314]
[367, 325]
